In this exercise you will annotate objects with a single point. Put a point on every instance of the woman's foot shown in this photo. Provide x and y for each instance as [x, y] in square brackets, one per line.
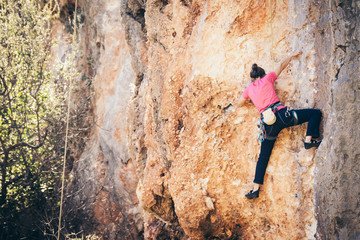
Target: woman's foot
[312, 143]
[253, 194]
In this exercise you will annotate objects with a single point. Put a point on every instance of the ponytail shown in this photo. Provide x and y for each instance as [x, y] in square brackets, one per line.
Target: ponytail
[257, 71]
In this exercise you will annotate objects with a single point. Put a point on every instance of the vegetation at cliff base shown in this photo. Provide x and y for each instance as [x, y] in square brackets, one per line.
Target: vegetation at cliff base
[32, 120]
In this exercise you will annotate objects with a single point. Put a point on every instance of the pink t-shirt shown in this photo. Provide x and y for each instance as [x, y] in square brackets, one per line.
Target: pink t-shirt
[262, 92]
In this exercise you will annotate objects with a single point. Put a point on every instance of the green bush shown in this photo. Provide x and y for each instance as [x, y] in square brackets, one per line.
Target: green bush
[32, 120]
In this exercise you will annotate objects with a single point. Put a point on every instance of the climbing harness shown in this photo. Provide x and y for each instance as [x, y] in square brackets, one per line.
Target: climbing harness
[262, 133]
[261, 123]
[269, 111]
[290, 112]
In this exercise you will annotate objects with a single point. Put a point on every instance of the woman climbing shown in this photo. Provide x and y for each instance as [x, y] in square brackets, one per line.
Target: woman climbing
[275, 117]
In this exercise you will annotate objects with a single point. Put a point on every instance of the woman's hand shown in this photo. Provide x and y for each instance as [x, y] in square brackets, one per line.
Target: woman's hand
[296, 54]
[285, 62]
[240, 102]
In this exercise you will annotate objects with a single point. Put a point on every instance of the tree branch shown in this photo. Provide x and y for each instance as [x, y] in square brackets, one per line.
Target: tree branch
[23, 144]
[3, 82]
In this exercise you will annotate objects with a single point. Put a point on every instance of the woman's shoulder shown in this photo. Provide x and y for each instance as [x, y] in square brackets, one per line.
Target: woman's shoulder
[248, 84]
[271, 76]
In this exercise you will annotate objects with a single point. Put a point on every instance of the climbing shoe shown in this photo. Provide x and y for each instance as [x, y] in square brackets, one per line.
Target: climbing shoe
[311, 144]
[252, 194]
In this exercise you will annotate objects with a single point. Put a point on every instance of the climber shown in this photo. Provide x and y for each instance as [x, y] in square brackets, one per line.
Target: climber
[274, 117]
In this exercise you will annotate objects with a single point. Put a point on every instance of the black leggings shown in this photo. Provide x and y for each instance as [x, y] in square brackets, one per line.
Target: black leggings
[285, 119]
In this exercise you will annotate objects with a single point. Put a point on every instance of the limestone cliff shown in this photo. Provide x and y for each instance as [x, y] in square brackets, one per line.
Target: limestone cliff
[102, 191]
[164, 75]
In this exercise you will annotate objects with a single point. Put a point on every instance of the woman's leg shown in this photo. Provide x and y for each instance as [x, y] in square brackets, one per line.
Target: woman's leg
[313, 116]
[265, 152]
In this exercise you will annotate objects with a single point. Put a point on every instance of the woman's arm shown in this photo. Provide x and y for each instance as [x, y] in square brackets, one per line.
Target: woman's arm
[285, 62]
[241, 101]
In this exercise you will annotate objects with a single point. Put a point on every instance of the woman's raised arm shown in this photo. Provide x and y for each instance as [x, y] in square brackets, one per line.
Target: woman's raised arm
[285, 62]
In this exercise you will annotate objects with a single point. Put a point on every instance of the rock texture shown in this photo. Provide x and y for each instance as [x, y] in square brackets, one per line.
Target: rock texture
[165, 75]
[201, 155]
[102, 192]
[337, 178]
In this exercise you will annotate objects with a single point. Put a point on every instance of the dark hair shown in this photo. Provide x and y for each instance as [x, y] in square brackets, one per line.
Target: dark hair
[257, 71]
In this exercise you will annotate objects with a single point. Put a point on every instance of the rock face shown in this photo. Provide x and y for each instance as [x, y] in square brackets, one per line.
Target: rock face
[337, 178]
[166, 72]
[201, 156]
[103, 182]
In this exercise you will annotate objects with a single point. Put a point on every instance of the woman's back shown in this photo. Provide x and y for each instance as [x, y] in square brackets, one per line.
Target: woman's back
[262, 92]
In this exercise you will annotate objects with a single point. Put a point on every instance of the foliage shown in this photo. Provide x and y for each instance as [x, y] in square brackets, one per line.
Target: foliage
[88, 237]
[32, 119]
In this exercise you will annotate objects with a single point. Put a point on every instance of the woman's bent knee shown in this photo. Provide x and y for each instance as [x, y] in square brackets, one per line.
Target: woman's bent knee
[318, 114]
